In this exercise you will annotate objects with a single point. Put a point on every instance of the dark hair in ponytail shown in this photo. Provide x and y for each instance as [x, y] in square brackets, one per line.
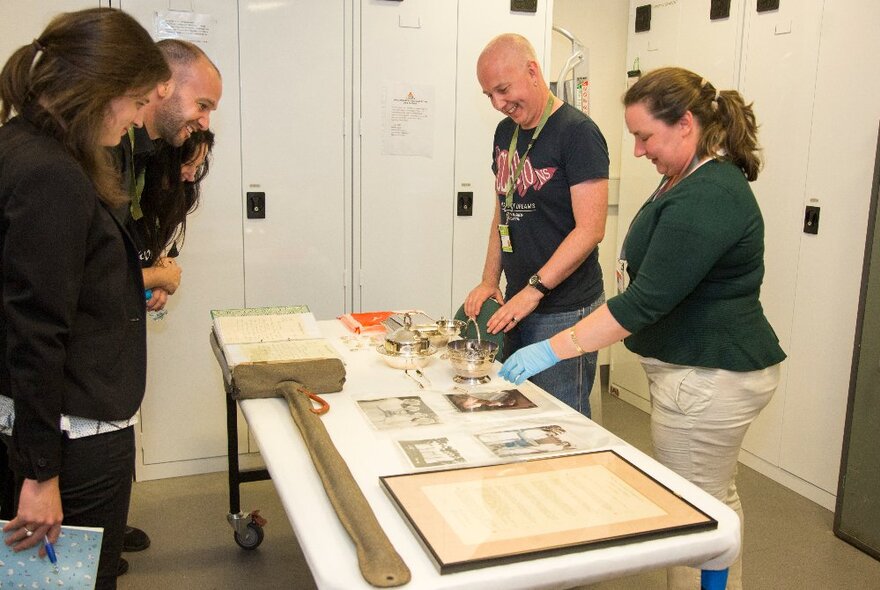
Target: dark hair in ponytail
[729, 128]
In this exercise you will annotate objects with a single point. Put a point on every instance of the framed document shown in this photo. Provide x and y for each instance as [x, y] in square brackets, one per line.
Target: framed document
[473, 517]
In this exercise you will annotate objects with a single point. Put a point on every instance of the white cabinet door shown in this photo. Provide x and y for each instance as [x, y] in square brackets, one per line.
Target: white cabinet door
[293, 91]
[839, 174]
[681, 34]
[413, 250]
[404, 193]
[280, 131]
[23, 21]
[780, 51]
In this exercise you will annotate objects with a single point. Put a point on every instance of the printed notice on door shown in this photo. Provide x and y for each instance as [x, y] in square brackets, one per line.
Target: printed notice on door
[408, 120]
[189, 26]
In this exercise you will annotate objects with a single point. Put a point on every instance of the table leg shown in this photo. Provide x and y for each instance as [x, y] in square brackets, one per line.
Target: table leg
[713, 579]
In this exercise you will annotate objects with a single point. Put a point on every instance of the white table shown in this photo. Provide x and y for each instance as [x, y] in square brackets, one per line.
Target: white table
[371, 453]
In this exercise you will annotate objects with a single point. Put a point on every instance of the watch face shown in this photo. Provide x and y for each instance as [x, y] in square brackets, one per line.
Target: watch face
[535, 281]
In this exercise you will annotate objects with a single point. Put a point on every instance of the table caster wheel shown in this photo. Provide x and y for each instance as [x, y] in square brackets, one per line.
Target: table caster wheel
[252, 537]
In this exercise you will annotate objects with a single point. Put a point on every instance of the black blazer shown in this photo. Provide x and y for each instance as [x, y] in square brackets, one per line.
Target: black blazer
[72, 320]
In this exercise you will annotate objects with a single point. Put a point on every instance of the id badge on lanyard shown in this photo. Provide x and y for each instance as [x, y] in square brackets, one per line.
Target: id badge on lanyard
[504, 233]
[622, 275]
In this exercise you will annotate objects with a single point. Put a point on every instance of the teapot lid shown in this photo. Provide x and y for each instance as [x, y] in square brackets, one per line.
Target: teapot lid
[405, 334]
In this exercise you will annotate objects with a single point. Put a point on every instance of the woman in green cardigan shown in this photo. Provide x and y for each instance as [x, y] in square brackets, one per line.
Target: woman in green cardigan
[689, 278]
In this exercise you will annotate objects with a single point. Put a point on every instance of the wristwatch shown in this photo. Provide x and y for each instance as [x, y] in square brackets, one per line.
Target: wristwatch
[535, 281]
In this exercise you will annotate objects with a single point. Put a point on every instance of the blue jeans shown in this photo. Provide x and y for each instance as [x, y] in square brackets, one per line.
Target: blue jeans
[571, 380]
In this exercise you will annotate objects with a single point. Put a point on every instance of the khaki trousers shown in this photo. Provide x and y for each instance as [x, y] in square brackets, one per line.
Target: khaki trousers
[699, 418]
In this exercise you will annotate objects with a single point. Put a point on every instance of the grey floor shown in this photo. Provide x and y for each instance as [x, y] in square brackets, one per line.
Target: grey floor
[788, 539]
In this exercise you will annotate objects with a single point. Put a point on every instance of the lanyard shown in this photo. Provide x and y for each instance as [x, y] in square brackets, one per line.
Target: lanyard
[508, 202]
[135, 181]
[659, 192]
[695, 163]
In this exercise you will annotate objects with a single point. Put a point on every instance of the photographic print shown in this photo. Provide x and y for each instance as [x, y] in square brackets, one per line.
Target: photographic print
[508, 399]
[535, 440]
[430, 452]
[398, 412]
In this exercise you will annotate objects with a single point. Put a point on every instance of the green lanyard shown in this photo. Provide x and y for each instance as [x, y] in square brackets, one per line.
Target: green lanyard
[508, 202]
[135, 181]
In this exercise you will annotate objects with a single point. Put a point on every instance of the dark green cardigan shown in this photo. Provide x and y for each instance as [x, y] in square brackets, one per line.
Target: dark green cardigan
[696, 262]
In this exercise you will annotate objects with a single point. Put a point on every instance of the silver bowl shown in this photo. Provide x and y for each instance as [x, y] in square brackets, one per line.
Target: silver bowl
[405, 361]
[440, 332]
[472, 360]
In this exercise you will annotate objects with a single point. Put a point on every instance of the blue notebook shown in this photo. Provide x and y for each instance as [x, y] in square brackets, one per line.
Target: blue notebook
[78, 550]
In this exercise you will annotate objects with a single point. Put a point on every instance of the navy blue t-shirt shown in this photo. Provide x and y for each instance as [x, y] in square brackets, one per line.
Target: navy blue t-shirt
[569, 151]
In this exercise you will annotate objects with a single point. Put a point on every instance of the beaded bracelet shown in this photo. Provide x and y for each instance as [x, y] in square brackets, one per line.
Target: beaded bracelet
[574, 341]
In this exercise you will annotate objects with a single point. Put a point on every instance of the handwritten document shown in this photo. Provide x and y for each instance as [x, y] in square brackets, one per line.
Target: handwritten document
[265, 328]
[494, 510]
[271, 352]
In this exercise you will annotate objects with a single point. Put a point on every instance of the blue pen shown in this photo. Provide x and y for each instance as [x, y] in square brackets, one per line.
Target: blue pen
[50, 551]
[148, 294]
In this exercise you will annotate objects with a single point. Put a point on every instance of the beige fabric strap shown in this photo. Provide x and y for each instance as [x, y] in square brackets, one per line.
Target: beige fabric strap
[379, 562]
[261, 379]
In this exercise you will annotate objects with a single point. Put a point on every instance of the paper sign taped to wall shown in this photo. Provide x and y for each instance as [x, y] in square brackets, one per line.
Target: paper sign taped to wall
[189, 26]
[408, 120]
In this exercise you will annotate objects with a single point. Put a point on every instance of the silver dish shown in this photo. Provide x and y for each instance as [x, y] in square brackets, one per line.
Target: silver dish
[451, 328]
[406, 361]
[406, 340]
[472, 360]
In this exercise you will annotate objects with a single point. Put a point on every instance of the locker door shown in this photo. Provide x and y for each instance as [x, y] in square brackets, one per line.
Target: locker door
[293, 92]
[839, 177]
[31, 18]
[403, 204]
[779, 64]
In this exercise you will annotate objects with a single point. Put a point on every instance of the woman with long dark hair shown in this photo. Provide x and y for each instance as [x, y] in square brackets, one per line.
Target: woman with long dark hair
[72, 335]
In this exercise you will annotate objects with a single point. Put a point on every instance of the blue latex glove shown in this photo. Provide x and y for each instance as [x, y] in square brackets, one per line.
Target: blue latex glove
[528, 361]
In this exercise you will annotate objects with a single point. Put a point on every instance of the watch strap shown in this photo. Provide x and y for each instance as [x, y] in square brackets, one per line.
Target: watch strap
[535, 281]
